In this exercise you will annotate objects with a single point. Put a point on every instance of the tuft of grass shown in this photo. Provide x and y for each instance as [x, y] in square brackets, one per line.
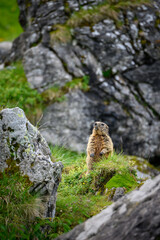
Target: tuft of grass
[18, 208]
[9, 24]
[127, 181]
[60, 34]
[66, 156]
[108, 73]
[57, 94]
[81, 83]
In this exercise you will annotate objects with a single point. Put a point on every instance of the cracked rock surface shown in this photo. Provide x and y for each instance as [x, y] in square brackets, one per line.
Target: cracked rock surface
[22, 145]
[121, 58]
[136, 215]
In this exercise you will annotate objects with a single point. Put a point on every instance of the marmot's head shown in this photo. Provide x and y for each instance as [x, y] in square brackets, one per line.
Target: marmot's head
[100, 128]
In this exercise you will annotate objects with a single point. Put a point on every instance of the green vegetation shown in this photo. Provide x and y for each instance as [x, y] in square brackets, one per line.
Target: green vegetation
[122, 180]
[9, 25]
[18, 208]
[108, 73]
[81, 83]
[15, 91]
[79, 196]
[107, 9]
[56, 93]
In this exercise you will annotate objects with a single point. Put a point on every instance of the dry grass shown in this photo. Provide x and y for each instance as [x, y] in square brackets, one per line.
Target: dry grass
[60, 34]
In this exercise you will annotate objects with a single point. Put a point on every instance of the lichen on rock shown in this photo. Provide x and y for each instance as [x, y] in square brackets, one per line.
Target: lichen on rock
[23, 148]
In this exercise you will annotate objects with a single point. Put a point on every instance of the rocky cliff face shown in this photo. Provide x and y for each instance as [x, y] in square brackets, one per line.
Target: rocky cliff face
[116, 44]
[23, 149]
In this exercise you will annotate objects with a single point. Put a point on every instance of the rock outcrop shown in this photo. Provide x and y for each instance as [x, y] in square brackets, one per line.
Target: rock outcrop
[23, 148]
[136, 215]
[117, 46]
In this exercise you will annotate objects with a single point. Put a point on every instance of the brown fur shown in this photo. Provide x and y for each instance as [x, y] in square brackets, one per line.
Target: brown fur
[99, 144]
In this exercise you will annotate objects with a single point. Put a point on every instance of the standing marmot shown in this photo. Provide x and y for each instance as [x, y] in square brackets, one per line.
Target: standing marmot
[99, 144]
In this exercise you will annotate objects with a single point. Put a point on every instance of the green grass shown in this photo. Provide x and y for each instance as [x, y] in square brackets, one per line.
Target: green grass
[67, 157]
[15, 91]
[18, 208]
[57, 94]
[9, 24]
[79, 196]
[122, 180]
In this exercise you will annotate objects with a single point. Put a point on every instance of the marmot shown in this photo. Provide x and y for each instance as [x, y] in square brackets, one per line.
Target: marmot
[99, 144]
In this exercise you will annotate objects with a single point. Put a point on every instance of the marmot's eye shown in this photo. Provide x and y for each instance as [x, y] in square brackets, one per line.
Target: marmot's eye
[95, 124]
[102, 124]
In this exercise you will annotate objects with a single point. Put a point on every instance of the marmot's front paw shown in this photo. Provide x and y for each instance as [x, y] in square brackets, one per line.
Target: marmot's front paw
[92, 155]
[101, 153]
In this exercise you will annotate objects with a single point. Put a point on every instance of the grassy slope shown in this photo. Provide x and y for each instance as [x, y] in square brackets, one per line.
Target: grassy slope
[79, 197]
[15, 91]
[9, 26]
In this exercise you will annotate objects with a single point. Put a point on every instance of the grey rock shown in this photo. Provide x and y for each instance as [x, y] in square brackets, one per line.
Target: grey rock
[136, 215]
[79, 62]
[23, 144]
[5, 45]
[118, 193]
[44, 69]
[5, 48]
[62, 124]
[66, 53]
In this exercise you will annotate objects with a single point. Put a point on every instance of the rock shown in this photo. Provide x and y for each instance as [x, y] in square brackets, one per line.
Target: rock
[143, 168]
[147, 81]
[5, 48]
[48, 71]
[23, 147]
[118, 193]
[65, 126]
[136, 215]
[115, 193]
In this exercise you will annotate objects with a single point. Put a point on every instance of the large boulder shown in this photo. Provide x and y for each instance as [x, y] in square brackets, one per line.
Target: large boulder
[134, 216]
[23, 149]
